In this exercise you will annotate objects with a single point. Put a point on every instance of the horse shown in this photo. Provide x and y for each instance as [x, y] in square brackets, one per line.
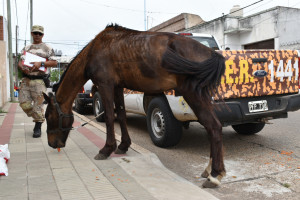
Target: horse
[149, 62]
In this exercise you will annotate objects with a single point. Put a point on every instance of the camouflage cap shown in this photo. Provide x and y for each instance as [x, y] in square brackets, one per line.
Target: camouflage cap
[37, 28]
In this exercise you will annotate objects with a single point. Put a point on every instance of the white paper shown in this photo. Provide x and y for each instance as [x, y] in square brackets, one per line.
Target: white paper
[29, 57]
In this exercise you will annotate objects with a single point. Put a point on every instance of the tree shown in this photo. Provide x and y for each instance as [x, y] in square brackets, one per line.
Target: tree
[55, 74]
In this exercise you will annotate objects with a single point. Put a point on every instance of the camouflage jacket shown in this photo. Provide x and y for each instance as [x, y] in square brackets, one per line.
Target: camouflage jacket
[42, 50]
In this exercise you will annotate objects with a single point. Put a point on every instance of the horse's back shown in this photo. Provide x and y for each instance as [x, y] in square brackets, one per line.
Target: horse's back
[133, 59]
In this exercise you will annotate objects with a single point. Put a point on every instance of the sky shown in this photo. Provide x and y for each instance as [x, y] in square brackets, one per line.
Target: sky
[71, 24]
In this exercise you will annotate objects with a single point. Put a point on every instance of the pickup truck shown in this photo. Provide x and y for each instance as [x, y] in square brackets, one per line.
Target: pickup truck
[258, 86]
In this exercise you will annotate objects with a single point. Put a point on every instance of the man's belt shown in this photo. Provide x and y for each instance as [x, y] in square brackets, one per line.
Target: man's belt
[33, 77]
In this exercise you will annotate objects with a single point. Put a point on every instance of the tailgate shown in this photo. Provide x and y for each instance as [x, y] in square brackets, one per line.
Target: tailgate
[259, 72]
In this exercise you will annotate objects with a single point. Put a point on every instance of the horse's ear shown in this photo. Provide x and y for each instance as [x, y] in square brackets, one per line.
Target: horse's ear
[46, 98]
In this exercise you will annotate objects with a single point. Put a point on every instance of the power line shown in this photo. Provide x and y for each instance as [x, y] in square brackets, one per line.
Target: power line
[258, 6]
[245, 7]
[222, 17]
[66, 43]
[69, 11]
[283, 10]
[127, 9]
[60, 43]
[72, 40]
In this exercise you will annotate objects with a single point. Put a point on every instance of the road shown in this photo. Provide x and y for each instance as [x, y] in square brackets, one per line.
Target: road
[262, 166]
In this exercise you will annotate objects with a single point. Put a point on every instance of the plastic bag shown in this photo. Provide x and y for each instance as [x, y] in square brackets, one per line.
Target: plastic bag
[4, 152]
[4, 157]
[3, 167]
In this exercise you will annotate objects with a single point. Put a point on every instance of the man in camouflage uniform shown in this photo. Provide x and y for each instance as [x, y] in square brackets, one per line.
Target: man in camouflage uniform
[32, 85]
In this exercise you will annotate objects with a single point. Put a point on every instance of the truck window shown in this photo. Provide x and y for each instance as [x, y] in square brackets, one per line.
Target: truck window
[209, 42]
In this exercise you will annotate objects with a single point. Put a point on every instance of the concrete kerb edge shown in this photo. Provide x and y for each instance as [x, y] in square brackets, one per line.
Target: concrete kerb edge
[133, 146]
[150, 156]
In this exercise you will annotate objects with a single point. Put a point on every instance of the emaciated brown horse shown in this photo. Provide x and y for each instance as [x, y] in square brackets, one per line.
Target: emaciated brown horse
[149, 62]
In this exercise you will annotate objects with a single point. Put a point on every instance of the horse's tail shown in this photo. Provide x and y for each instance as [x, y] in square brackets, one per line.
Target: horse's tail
[202, 77]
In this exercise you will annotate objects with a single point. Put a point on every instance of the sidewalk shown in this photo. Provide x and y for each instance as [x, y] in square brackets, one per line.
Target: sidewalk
[36, 171]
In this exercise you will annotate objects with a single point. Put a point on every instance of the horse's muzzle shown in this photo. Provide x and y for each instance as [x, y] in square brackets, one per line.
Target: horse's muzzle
[56, 144]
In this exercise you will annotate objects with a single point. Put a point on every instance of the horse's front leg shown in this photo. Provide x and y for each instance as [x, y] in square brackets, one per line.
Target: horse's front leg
[121, 116]
[110, 146]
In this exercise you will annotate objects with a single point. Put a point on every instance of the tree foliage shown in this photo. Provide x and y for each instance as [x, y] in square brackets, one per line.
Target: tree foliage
[55, 74]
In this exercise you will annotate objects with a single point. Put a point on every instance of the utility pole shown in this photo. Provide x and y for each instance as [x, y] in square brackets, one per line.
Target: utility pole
[145, 17]
[147, 22]
[16, 59]
[10, 60]
[31, 18]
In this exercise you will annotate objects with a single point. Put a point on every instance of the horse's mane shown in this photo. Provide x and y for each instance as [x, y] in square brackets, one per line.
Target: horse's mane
[56, 85]
[118, 27]
[113, 26]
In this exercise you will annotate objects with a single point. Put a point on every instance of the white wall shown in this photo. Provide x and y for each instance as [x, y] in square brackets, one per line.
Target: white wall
[280, 23]
[4, 67]
[289, 28]
[3, 74]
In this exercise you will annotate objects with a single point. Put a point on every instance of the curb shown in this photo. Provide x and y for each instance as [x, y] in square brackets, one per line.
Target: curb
[133, 146]
[149, 158]
[152, 156]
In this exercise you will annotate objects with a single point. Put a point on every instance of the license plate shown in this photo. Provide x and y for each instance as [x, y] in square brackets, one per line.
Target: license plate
[257, 106]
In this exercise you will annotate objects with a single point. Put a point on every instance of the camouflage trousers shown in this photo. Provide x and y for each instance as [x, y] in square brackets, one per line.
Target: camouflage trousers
[31, 98]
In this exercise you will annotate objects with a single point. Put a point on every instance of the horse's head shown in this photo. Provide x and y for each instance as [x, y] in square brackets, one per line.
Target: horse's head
[59, 124]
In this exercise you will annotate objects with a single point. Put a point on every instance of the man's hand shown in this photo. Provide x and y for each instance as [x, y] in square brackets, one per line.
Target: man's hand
[26, 70]
[23, 68]
[36, 66]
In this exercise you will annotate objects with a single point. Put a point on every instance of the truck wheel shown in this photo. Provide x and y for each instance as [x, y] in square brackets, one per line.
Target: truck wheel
[249, 128]
[164, 129]
[79, 107]
[98, 107]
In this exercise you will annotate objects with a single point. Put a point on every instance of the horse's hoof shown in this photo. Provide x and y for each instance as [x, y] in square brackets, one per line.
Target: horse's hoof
[205, 174]
[119, 151]
[100, 156]
[211, 182]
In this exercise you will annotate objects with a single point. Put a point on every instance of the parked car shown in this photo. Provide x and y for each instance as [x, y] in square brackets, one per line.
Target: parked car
[258, 85]
[84, 98]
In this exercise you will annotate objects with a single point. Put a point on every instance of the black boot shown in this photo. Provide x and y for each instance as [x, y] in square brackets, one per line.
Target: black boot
[37, 130]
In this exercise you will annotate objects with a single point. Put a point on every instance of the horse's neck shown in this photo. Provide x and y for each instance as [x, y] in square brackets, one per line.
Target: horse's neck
[72, 82]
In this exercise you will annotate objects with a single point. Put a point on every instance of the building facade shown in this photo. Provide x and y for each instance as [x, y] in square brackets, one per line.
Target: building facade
[178, 23]
[275, 28]
[4, 73]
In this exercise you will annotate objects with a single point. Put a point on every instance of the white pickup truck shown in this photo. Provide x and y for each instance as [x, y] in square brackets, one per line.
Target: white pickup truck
[258, 85]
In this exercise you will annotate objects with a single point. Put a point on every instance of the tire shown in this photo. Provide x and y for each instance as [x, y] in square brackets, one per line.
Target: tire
[98, 107]
[79, 107]
[249, 128]
[164, 129]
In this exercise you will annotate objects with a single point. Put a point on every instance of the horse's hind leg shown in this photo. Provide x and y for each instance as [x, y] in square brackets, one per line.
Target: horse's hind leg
[207, 170]
[121, 116]
[215, 170]
[107, 95]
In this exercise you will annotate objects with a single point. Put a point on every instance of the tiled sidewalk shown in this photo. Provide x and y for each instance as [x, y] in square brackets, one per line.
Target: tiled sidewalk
[36, 171]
